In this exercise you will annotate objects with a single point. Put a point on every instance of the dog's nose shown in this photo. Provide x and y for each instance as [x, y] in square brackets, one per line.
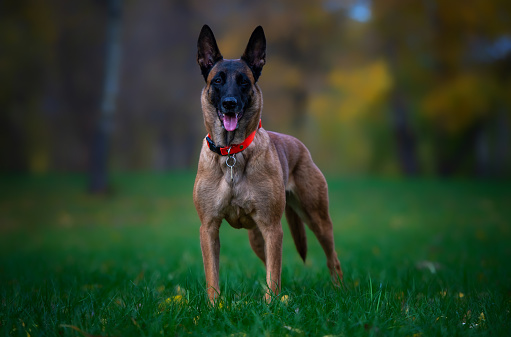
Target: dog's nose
[229, 103]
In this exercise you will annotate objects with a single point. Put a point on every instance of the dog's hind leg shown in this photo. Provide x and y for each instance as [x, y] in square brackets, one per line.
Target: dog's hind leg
[297, 229]
[313, 207]
[321, 226]
[257, 243]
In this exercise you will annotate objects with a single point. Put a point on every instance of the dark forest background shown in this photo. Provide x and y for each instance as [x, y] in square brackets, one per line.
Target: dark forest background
[371, 87]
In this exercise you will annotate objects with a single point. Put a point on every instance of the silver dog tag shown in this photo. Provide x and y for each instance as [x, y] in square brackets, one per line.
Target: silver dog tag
[230, 162]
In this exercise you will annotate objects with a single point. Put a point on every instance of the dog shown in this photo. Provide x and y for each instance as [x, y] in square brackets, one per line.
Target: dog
[249, 176]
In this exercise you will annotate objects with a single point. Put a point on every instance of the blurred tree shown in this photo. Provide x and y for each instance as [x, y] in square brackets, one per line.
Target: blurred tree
[400, 47]
[161, 123]
[26, 30]
[409, 87]
[436, 66]
[101, 141]
[72, 87]
[48, 92]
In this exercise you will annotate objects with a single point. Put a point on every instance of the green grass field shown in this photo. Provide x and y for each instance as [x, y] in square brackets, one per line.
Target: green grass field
[420, 258]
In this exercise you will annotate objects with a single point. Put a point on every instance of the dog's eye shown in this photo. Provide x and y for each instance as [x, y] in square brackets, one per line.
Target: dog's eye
[244, 82]
[217, 80]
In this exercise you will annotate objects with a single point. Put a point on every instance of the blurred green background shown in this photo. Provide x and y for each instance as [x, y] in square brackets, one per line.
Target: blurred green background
[372, 87]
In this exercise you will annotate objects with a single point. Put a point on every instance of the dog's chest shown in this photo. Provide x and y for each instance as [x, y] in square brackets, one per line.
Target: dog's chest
[237, 206]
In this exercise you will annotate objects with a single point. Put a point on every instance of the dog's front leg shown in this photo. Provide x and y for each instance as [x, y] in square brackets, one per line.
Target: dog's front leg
[210, 246]
[273, 250]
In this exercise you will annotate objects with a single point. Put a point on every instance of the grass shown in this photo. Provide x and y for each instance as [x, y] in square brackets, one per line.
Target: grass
[420, 257]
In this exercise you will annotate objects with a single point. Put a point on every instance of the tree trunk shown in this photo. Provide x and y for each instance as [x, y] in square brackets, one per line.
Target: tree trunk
[502, 146]
[482, 152]
[100, 144]
[405, 140]
[404, 136]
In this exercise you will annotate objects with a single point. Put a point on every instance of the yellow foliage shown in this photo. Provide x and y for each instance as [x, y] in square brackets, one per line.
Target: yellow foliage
[343, 108]
[353, 91]
[459, 102]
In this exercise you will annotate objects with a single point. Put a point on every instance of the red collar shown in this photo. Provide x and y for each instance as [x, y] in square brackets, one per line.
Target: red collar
[235, 148]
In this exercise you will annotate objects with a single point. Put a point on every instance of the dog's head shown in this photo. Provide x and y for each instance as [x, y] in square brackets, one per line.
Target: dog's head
[231, 98]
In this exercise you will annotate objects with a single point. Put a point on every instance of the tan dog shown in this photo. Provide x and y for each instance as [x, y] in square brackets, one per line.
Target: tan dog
[250, 176]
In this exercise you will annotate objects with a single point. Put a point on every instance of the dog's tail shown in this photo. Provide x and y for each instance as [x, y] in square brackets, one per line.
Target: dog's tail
[297, 231]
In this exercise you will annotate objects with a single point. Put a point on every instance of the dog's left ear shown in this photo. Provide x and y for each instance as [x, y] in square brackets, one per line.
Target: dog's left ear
[255, 53]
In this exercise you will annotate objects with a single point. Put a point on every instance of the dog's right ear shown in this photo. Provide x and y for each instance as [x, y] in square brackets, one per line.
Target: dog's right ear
[207, 51]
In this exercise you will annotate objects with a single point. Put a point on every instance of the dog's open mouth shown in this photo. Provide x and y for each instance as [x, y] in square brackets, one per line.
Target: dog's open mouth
[230, 120]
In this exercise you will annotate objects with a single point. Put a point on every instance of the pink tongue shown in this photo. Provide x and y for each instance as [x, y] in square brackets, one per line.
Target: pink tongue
[230, 122]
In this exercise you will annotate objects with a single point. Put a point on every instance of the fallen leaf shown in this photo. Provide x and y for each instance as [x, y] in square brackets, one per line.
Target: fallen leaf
[293, 329]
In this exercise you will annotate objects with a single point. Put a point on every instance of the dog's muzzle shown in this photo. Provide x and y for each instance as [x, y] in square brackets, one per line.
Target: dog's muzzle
[230, 113]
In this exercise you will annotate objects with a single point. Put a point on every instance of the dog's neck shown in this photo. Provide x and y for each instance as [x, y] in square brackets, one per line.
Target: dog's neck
[229, 137]
[232, 148]
[223, 138]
